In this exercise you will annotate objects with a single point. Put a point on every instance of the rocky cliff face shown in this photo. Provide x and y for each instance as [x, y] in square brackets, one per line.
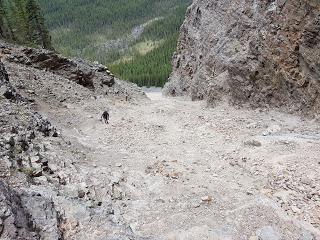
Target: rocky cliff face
[247, 51]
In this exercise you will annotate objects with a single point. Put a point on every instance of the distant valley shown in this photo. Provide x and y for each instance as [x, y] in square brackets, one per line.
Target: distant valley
[136, 39]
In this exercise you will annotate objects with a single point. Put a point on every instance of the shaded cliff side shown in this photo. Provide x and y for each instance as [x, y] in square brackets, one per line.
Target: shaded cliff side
[257, 52]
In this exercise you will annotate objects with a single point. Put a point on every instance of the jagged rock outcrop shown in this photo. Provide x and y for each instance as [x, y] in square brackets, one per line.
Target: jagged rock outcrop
[91, 75]
[6, 89]
[257, 52]
[82, 72]
[14, 222]
[25, 216]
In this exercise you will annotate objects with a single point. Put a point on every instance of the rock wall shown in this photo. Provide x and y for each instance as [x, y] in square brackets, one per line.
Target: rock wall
[249, 51]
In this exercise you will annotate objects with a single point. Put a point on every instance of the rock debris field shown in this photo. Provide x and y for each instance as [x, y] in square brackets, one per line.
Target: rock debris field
[182, 171]
[164, 168]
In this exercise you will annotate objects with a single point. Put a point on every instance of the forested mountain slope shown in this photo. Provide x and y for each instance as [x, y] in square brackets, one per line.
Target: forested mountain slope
[113, 32]
[21, 21]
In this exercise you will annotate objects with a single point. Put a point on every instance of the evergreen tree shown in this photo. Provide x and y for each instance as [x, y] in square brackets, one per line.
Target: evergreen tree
[18, 19]
[21, 21]
[1, 19]
[5, 27]
[37, 31]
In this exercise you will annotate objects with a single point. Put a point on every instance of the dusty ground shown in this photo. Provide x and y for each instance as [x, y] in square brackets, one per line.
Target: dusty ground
[164, 168]
[175, 169]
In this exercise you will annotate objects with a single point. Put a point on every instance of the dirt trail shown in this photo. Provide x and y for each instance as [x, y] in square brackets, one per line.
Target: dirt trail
[179, 170]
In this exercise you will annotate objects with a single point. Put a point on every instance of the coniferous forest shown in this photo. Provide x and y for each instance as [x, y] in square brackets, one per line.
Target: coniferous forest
[21, 21]
[135, 39]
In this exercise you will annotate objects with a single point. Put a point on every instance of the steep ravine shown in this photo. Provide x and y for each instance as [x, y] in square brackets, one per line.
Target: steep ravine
[261, 53]
[166, 168]
[170, 168]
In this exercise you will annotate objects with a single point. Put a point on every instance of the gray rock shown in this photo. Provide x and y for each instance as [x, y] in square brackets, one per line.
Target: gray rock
[11, 141]
[81, 194]
[248, 52]
[35, 159]
[77, 70]
[53, 167]
[268, 233]
[43, 215]
[307, 236]
[40, 180]
[6, 89]
[272, 129]
[253, 143]
[15, 221]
